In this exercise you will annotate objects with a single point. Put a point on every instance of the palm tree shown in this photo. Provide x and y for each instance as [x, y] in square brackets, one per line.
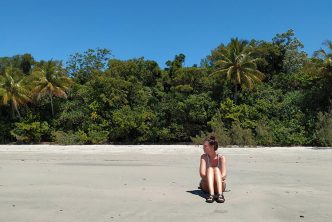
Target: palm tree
[14, 89]
[237, 62]
[49, 80]
[326, 56]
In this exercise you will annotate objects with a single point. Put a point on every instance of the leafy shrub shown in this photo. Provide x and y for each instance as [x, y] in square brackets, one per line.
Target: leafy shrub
[218, 130]
[98, 137]
[263, 134]
[323, 132]
[288, 133]
[70, 138]
[241, 136]
[243, 113]
[199, 138]
[5, 135]
[29, 132]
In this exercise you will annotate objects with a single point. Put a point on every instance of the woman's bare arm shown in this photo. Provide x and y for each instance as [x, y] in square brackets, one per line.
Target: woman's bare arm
[223, 166]
[202, 167]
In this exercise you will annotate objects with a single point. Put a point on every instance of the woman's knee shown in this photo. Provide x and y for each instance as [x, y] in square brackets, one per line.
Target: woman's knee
[209, 172]
[210, 169]
[217, 172]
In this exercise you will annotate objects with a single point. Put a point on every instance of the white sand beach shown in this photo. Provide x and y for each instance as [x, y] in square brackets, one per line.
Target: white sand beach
[46, 183]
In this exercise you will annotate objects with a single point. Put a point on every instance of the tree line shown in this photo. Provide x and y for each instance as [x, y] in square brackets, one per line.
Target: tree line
[245, 92]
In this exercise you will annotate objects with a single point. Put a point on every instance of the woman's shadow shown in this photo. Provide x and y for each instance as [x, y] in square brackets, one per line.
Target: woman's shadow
[198, 192]
[202, 193]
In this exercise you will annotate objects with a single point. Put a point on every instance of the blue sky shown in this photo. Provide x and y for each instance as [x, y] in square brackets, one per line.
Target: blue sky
[157, 30]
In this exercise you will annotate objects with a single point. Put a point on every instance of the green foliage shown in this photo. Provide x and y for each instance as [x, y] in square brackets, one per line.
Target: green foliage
[241, 136]
[176, 64]
[237, 63]
[293, 58]
[264, 135]
[98, 137]
[199, 138]
[24, 63]
[199, 108]
[323, 132]
[96, 99]
[83, 66]
[29, 130]
[49, 80]
[244, 114]
[218, 130]
[5, 135]
[69, 138]
[14, 89]
[133, 124]
[144, 71]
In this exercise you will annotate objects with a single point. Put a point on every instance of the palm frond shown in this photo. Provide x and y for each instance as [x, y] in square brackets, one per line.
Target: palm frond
[219, 72]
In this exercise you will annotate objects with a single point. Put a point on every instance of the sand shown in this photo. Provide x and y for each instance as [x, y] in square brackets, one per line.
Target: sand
[45, 183]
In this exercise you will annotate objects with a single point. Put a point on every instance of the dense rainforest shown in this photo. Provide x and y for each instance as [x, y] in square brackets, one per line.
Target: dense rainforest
[245, 92]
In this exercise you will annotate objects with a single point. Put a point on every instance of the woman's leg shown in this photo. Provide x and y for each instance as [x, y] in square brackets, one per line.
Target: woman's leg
[218, 180]
[210, 179]
[204, 185]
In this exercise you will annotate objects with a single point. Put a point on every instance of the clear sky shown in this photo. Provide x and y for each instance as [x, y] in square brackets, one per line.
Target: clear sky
[154, 29]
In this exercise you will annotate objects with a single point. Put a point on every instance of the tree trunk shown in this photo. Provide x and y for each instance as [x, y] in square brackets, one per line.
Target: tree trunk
[51, 98]
[13, 111]
[18, 112]
[235, 94]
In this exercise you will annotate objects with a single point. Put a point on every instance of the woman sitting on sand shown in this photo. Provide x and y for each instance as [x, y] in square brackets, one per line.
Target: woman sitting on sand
[212, 171]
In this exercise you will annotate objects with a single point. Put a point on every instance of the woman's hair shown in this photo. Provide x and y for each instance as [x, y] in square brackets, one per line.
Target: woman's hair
[213, 142]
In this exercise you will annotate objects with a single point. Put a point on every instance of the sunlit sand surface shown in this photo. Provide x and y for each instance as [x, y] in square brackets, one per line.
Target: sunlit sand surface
[47, 183]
